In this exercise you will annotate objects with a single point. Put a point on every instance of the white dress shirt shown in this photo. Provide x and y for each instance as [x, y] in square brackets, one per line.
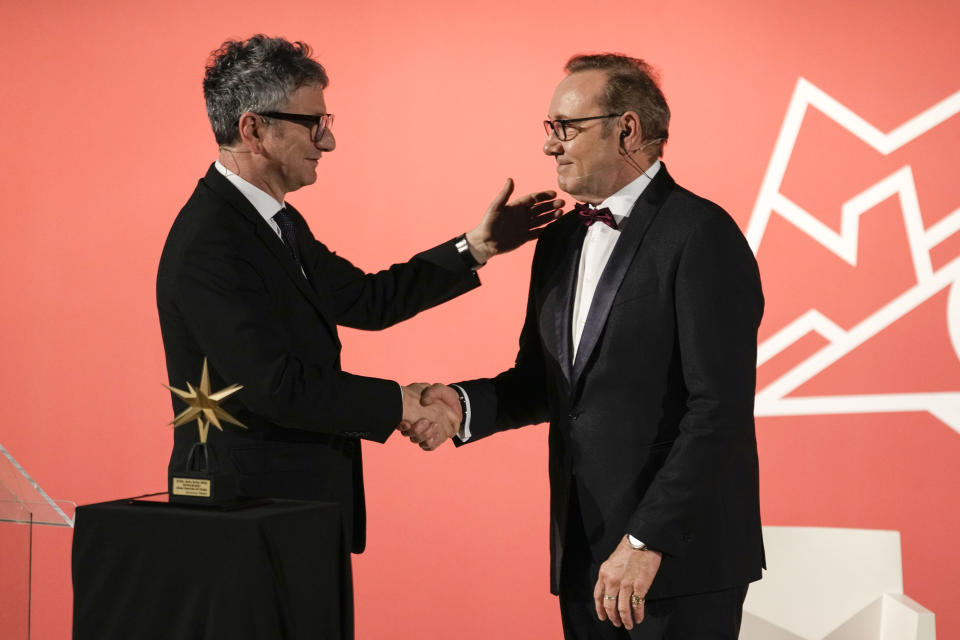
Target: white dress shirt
[597, 247]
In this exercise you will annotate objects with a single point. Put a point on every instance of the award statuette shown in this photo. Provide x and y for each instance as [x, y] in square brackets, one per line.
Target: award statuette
[203, 482]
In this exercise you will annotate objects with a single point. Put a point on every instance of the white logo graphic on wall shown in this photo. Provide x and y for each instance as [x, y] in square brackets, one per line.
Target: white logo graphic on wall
[773, 399]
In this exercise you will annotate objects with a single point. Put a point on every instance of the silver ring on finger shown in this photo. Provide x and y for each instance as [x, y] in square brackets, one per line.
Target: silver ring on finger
[609, 597]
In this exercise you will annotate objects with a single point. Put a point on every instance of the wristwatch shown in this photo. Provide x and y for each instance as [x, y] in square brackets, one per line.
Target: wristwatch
[463, 404]
[463, 248]
[636, 544]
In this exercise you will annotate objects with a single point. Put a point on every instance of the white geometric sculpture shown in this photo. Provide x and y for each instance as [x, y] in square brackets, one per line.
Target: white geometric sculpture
[833, 584]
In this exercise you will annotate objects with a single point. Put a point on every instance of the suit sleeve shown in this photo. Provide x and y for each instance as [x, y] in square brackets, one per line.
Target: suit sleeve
[235, 318]
[517, 397]
[719, 304]
[374, 301]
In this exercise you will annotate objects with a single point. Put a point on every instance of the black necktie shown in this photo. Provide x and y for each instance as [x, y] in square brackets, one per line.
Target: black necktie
[589, 215]
[289, 235]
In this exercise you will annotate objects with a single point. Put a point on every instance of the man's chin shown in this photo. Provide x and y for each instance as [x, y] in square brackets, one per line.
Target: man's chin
[568, 185]
[298, 182]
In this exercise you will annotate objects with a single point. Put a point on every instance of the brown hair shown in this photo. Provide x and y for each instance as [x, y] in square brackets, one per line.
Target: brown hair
[631, 86]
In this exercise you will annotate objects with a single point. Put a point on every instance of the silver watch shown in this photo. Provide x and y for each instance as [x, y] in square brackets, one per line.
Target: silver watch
[636, 544]
[463, 249]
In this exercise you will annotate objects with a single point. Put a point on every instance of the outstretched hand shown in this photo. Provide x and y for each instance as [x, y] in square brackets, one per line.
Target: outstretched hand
[507, 225]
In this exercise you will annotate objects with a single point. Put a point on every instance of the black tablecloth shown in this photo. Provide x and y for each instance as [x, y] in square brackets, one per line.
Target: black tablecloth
[275, 571]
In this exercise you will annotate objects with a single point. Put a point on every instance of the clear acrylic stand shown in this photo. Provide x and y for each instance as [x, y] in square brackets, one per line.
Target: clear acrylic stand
[23, 504]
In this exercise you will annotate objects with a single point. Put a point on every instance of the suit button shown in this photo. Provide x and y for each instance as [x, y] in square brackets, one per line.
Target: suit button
[574, 415]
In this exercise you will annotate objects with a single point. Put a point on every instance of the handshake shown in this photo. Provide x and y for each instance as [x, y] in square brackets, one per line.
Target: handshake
[431, 414]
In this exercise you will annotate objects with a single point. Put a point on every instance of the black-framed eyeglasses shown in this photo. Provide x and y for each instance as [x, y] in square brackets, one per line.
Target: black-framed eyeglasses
[316, 124]
[563, 130]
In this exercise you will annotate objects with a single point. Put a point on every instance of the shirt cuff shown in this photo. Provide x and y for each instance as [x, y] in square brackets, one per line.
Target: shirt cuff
[464, 433]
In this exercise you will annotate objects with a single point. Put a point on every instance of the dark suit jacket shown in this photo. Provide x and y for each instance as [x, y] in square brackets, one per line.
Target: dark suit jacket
[652, 424]
[228, 289]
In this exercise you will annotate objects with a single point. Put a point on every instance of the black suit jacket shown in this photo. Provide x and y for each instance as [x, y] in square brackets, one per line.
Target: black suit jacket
[652, 425]
[228, 289]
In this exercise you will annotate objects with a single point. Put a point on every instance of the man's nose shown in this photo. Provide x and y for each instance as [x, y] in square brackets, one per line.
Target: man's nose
[327, 142]
[552, 146]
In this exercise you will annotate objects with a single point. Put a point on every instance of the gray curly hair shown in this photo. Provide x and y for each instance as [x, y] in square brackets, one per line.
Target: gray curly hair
[257, 75]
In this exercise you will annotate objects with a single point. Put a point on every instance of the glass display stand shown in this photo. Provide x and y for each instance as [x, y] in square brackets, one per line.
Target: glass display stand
[23, 505]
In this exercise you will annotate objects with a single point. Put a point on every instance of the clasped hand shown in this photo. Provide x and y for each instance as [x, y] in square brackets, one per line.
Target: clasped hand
[431, 414]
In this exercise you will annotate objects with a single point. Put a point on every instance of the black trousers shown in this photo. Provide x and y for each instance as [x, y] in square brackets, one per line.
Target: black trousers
[704, 616]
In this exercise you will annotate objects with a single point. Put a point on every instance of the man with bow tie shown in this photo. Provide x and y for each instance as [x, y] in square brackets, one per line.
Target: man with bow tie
[639, 348]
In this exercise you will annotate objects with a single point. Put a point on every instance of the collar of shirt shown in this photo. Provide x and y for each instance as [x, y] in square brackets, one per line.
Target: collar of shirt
[265, 204]
[622, 201]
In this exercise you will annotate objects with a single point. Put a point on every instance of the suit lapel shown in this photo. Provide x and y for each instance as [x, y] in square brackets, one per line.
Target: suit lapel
[557, 310]
[644, 211]
[307, 253]
[222, 187]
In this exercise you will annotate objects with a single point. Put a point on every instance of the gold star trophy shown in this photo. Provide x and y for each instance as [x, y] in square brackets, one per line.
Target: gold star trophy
[203, 482]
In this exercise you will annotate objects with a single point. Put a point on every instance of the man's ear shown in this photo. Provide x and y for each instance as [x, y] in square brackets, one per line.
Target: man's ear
[631, 133]
[250, 127]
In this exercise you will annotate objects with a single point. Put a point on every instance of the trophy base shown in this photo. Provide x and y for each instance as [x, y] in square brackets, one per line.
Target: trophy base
[202, 482]
[197, 487]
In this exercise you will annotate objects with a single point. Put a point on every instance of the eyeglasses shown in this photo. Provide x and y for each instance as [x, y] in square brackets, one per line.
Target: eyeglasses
[563, 130]
[316, 124]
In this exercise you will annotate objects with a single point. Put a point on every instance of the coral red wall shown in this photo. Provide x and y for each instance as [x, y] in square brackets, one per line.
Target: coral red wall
[104, 137]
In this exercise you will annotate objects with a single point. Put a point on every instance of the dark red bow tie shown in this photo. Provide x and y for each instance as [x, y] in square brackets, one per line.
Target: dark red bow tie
[589, 215]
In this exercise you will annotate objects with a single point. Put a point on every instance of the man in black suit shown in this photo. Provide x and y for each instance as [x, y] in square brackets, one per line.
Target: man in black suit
[639, 347]
[243, 282]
